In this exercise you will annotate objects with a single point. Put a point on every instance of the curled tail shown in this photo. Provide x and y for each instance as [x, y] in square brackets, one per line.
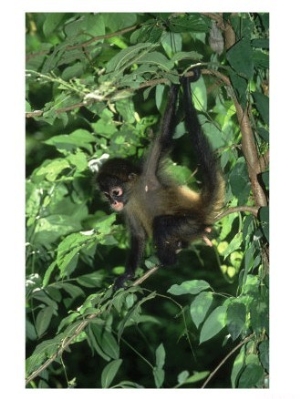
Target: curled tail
[213, 187]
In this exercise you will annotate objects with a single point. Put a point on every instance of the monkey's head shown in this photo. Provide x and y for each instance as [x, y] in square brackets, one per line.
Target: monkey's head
[115, 179]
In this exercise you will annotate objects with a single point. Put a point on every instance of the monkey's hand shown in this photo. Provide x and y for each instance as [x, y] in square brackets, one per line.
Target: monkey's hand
[205, 238]
[121, 281]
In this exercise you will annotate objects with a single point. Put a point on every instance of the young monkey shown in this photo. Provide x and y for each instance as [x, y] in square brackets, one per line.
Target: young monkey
[156, 206]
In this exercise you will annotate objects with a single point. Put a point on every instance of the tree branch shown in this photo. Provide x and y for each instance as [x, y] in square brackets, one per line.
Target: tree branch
[79, 329]
[84, 44]
[248, 144]
[63, 347]
[243, 208]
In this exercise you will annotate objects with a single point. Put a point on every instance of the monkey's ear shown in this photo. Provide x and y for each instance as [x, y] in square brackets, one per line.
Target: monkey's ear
[132, 176]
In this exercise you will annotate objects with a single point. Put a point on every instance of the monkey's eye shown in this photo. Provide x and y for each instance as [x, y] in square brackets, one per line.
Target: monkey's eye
[116, 192]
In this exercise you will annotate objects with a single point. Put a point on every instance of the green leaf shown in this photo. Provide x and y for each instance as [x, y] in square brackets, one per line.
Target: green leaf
[251, 376]
[200, 306]
[126, 110]
[105, 225]
[91, 280]
[40, 295]
[263, 215]
[94, 24]
[259, 313]
[156, 58]
[80, 138]
[240, 85]
[67, 321]
[70, 247]
[54, 293]
[48, 273]
[196, 376]
[44, 350]
[199, 94]
[69, 259]
[128, 56]
[72, 290]
[260, 43]
[48, 229]
[158, 372]
[182, 55]
[265, 179]
[264, 354]
[239, 181]
[160, 355]
[234, 244]
[240, 58]
[215, 322]
[30, 331]
[75, 70]
[109, 345]
[236, 318]
[51, 22]
[238, 364]
[262, 104]
[189, 287]
[260, 59]
[87, 26]
[189, 23]
[43, 320]
[159, 377]
[79, 160]
[93, 332]
[182, 377]
[119, 20]
[147, 33]
[51, 169]
[109, 372]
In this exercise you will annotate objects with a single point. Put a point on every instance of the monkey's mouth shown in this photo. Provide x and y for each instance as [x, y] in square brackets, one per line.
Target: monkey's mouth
[117, 206]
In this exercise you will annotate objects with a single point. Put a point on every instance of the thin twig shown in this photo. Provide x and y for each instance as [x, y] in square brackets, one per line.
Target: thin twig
[243, 208]
[79, 329]
[63, 347]
[140, 280]
[225, 359]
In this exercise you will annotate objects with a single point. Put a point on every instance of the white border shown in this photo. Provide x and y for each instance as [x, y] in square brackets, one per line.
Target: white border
[284, 201]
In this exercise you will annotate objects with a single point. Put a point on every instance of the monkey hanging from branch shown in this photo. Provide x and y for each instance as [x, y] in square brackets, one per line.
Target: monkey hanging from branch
[153, 204]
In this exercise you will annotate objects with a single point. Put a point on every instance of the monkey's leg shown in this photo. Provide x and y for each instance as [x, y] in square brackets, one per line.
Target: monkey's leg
[172, 233]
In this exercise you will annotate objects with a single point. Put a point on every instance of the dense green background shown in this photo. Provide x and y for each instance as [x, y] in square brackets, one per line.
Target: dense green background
[95, 84]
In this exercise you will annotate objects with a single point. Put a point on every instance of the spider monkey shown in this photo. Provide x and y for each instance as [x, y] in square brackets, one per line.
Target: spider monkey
[153, 204]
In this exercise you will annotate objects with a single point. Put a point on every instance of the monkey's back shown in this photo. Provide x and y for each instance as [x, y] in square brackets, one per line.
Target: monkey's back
[152, 200]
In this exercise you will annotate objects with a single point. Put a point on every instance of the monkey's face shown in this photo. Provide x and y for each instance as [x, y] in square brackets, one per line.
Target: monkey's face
[115, 197]
[113, 189]
[116, 179]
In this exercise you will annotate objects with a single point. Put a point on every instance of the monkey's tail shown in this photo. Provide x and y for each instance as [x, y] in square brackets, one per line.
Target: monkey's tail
[213, 188]
[163, 141]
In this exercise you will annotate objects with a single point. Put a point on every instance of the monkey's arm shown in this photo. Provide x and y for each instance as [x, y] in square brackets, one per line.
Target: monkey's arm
[137, 247]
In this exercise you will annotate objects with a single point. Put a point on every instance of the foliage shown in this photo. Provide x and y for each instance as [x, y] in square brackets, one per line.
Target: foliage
[95, 84]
